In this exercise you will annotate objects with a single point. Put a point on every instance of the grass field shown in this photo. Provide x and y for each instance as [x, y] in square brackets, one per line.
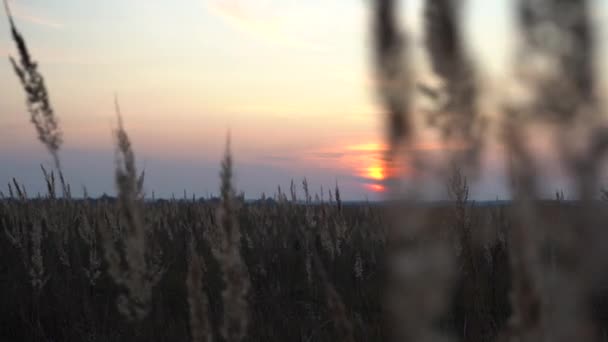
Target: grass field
[55, 285]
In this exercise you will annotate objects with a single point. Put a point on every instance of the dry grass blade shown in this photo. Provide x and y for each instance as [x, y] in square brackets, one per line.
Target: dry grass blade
[236, 276]
[420, 269]
[126, 173]
[197, 298]
[137, 277]
[457, 118]
[443, 36]
[126, 183]
[558, 35]
[337, 310]
[21, 193]
[49, 178]
[391, 70]
[38, 102]
[572, 58]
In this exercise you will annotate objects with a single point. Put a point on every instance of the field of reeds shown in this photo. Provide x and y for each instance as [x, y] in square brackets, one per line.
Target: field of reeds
[294, 268]
[58, 286]
[316, 271]
[313, 271]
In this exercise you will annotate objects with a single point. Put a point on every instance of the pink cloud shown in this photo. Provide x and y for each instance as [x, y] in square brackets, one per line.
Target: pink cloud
[257, 21]
[30, 15]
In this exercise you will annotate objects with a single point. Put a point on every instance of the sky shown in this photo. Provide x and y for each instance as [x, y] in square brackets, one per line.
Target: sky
[291, 81]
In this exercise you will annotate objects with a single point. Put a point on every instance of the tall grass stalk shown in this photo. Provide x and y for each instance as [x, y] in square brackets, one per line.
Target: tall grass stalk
[234, 270]
[420, 268]
[392, 70]
[140, 275]
[197, 298]
[564, 99]
[457, 118]
[38, 102]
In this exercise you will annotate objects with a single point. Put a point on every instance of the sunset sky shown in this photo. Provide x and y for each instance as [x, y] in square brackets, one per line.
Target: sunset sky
[291, 80]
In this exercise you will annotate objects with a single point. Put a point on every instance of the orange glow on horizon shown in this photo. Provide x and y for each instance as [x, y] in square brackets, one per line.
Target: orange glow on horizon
[368, 162]
[369, 147]
[375, 187]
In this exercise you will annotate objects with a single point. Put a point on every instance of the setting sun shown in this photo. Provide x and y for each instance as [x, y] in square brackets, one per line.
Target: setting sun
[375, 172]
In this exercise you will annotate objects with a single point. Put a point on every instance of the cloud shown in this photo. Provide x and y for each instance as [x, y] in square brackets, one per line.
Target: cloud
[375, 187]
[328, 155]
[257, 21]
[276, 158]
[29, 15]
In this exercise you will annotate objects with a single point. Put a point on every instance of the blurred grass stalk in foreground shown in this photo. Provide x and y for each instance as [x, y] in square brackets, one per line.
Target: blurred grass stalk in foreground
[555, 62]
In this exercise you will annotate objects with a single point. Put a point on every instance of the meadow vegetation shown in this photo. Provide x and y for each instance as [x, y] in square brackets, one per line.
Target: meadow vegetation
[301, 267]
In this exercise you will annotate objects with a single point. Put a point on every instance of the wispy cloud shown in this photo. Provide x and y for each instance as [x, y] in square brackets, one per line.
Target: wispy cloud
[33, 16]
[276, 158]
[375, 187]
[257, 21]
[39, 21]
